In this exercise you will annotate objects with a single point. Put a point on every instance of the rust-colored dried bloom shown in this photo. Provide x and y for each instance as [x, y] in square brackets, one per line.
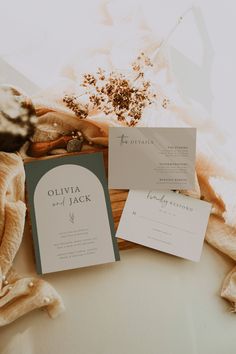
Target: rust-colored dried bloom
[113, 93]
[72, 102]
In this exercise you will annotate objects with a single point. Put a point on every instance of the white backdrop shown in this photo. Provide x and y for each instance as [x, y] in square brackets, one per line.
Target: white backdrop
[149, 303]
[39, 38]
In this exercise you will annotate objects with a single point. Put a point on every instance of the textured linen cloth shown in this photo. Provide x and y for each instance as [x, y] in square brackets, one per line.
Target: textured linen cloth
[18, 294]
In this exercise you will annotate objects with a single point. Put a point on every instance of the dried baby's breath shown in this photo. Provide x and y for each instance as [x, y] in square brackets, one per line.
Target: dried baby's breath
[115, 94]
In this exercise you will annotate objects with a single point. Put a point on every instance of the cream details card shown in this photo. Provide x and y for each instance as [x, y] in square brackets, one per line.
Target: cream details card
[70, 212]
[152, 158]
[166, 221]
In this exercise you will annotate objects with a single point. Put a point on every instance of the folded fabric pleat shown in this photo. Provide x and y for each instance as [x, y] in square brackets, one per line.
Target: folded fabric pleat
[18, 294]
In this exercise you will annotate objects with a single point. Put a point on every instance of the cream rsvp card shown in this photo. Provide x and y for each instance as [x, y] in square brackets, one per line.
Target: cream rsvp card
[152, 158]
[166, 221]
[70, 212]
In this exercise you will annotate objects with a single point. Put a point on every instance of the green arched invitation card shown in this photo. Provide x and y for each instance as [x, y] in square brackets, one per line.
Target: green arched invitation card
[70, 212]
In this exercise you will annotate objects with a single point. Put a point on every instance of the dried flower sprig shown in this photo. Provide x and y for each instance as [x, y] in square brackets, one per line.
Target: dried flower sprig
[116, 94]
[72, 102]
[17, 118]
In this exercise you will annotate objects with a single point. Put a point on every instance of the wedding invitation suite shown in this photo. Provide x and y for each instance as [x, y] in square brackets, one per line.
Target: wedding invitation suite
[152, 158]
[166, 221]
[70, 212]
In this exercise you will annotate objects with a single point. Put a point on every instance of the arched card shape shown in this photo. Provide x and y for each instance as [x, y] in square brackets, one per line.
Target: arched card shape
[71, 217]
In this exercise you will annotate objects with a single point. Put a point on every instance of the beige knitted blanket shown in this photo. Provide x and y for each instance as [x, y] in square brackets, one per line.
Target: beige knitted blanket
[18, 294]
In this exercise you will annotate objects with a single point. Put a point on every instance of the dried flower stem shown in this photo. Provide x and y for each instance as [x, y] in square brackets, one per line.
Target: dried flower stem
[116, 94]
